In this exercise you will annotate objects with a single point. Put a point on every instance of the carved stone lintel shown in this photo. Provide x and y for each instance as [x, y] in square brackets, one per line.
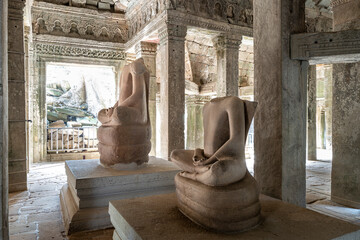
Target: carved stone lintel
[146, 48]
[172, 32]
[49, 49]
[328, 47]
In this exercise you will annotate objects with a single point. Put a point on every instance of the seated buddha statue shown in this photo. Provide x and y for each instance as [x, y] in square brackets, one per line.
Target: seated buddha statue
[124, 136]
[215, 189]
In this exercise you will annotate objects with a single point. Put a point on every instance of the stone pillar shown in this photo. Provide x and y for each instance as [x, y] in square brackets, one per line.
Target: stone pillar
[345, 176]
[17, 98]
[280, 90]
[328, 84]
[147, 51]
[172, 87]
[311, 127]
[4, 210]
[194, 121]
[227, 55]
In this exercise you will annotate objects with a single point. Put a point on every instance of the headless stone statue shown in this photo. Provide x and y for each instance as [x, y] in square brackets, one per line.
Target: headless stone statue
[215, 189]
[124, 136]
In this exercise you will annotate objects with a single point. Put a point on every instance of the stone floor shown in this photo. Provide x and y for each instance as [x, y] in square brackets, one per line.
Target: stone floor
[35, 214]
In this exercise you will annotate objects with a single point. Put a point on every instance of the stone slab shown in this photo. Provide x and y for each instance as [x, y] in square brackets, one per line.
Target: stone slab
[85, 198]
[157, 217]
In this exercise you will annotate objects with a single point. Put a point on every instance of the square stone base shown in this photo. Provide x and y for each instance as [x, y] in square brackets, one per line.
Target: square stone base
[85, 198]
[157, 217]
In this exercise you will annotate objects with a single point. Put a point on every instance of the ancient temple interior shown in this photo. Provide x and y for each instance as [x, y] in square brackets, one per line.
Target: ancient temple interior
[230, 116]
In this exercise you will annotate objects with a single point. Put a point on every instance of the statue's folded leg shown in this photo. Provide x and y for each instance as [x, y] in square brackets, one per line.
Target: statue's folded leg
[221, 173]
[183, 159]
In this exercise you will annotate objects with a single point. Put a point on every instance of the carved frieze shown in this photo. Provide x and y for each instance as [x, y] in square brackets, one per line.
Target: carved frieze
[87, 24]
[62, 50]
[233, 12]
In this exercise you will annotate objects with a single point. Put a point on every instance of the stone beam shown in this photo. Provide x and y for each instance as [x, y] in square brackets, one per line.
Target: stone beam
[328, 47]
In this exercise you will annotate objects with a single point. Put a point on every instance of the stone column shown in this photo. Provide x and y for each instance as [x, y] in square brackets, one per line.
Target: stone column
[311, 127]
[328, 84]
[172, 87]
[345, 177]
[147, 51]
[17, 98]
[194, 122]
[227, 55]
[280, 90]
[4, 210]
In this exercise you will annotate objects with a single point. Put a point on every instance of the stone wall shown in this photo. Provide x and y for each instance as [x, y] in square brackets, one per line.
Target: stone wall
[202, 57]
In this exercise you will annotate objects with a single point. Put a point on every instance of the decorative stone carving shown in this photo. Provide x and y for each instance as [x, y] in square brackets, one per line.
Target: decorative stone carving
[61, 50]
[217, 175]
[125, 134]
[233, 12]
[70, 22]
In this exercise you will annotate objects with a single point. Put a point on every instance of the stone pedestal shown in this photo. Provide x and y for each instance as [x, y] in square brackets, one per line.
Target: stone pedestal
[85, 198]
[157, 218]
[172, 87]
[345, 176]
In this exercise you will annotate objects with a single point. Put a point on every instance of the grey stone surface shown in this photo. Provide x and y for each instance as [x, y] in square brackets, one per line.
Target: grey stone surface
[345, 178]
[311, 116]
[90, 187]
[4, 210]
[280, 89]
[17, 127]
[131, 220]
[172, 88]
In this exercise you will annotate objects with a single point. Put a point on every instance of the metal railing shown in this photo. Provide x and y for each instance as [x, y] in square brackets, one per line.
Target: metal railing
[72, 139]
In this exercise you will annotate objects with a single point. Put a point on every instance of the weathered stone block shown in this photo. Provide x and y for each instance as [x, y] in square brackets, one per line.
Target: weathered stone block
[85, 199]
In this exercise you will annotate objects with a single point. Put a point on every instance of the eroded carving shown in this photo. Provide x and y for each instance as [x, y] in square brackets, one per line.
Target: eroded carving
[230, 11]
[61, 50]
[66, 22]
